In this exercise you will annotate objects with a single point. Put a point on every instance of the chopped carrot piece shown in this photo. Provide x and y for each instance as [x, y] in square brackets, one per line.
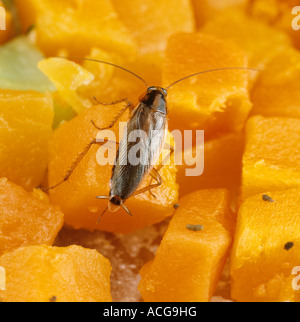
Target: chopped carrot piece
[265, 252]
[26, 219]
[271, 160]
[193, 252]
[216, 102]
[54, 274]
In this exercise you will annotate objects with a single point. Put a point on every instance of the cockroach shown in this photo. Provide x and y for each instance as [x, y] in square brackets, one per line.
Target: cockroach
[149, 116]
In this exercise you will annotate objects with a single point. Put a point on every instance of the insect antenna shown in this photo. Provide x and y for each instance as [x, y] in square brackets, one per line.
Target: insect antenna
[100, 217]
[210, 71]
[107, 63]
[127, 210]
[102, 197]
[105, 210]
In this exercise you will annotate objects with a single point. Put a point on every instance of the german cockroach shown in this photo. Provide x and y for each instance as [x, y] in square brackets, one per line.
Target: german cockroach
[149, 117]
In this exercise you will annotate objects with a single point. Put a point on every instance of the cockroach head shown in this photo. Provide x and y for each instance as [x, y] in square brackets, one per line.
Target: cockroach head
[155, 98]
[115, 200]
[157, 88]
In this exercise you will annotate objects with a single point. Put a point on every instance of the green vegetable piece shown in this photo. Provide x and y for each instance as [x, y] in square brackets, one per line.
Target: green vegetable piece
[18, 67]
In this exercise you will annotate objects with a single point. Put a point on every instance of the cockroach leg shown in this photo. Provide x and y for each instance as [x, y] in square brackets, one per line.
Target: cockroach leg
[172, 150]
[103, 213]
[156, 176]
[129, 104]
[75, 164]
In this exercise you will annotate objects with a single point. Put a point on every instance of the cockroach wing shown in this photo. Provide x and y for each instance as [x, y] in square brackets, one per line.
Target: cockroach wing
[139, 150]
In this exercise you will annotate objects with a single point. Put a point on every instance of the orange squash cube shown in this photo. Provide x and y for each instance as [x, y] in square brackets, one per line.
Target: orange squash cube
[25, 128]
[207, 9]
[27, 13]
[54, 274]
[111, 84]
[26, 219]
[221, 159]
[271, 160]
[215, 102]
[193, 252]
[152, 36]
[265, 257]
[280, 14]
[77, 197]
[76, 26]
[141, 19]
[260, 41]
[276, 92]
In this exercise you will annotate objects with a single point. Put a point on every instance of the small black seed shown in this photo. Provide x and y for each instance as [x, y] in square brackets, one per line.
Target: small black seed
[288, 245]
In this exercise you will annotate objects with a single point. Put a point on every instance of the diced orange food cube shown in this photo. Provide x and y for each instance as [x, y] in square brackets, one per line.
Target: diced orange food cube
[54, 274]
[76, 26]
[207, 9]
[260, 41]
[221, 159]
[271, 160]
[214, 102]
[77, 197]
[26, 219]
[112, 84]
[152, 22]
[265, 256]
[276, 92]
[188, 263]
[26, 119]
[280, 14]
[27, 13]
[270, 11]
